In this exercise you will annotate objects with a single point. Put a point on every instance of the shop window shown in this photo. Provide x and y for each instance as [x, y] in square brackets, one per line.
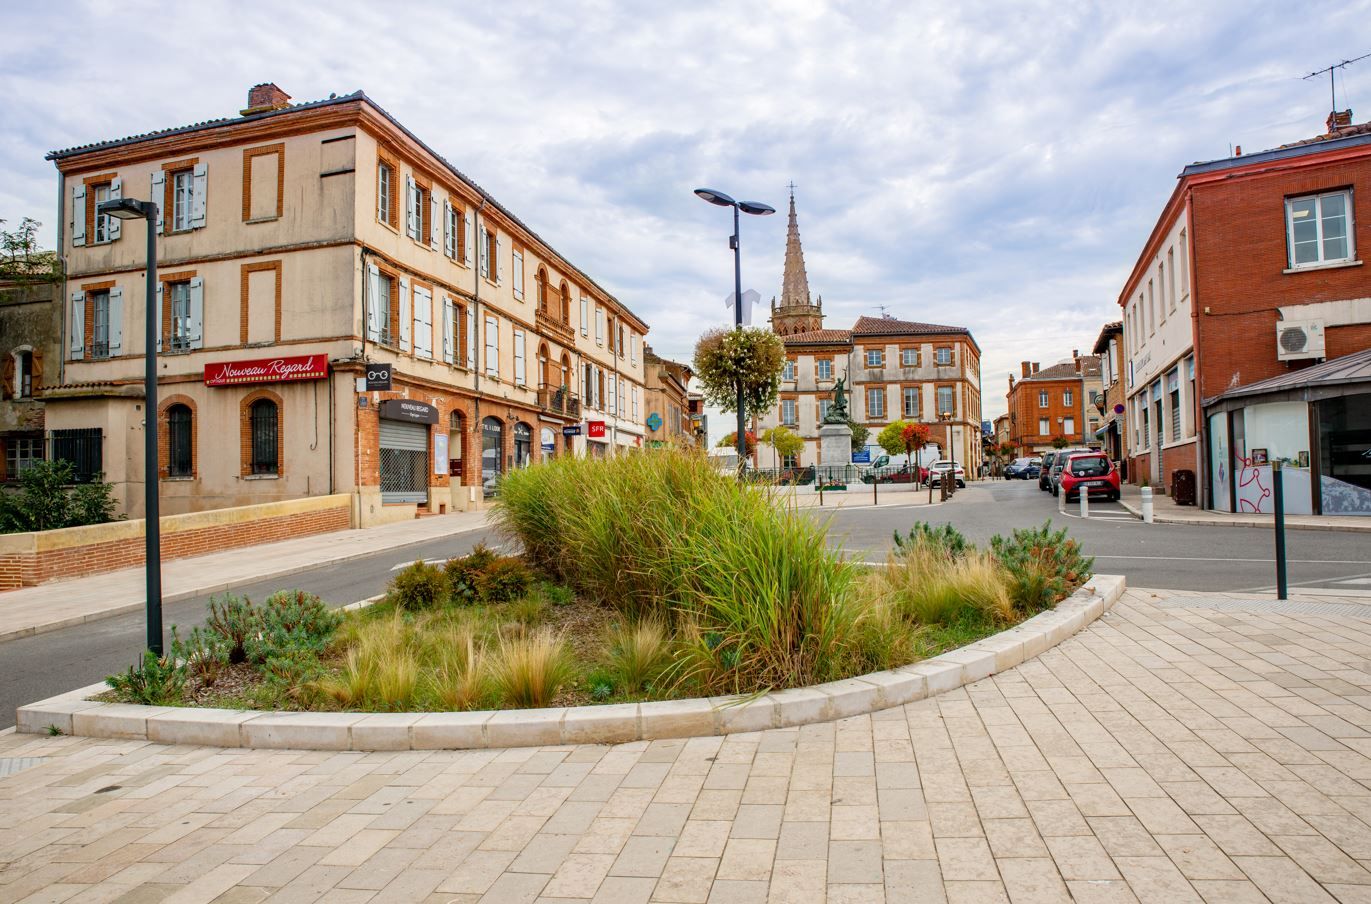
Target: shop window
[523, 445]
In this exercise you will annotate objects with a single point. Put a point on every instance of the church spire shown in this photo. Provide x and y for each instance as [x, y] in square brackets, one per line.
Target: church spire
[795, 282]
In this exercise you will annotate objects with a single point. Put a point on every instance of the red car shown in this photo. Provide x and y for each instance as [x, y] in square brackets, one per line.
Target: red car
[1093, 472]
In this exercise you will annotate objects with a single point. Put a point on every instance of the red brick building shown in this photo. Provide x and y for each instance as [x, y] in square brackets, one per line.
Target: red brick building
[1270, 283]
[1053, 403]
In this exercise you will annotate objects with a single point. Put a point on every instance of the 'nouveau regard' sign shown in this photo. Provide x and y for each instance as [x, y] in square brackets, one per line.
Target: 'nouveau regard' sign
[267, 370]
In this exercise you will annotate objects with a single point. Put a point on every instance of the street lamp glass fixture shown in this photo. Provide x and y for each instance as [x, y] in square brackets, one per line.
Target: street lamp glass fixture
[715, 197]
[126, 209]
[757, 208]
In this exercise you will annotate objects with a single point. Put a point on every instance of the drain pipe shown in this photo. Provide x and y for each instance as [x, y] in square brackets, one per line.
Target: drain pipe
[62, 296]
[477, 323]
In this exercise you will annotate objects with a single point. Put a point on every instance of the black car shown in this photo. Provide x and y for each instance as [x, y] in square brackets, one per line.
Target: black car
[1045, 471]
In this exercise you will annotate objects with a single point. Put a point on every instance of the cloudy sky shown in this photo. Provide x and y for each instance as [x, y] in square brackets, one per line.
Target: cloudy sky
[995, 165]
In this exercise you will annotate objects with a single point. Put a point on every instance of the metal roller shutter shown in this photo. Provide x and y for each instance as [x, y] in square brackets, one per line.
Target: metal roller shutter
[404, 462]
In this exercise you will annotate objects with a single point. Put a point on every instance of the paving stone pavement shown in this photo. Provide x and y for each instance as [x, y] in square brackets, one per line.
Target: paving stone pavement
[1171, 754]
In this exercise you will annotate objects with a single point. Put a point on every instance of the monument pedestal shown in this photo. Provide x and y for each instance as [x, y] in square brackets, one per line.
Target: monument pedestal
[835, 452]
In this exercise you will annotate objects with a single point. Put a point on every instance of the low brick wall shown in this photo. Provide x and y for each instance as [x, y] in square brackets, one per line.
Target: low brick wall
[35, 558]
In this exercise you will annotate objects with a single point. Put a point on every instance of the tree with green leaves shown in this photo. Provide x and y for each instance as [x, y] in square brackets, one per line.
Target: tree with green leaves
[731, 442]
[860, 434]
[784, 442]
[751, 358]
[891, 437]
[21, 258]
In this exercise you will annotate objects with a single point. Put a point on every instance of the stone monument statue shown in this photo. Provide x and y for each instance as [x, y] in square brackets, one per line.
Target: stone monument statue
[837, 412]
[835, 437]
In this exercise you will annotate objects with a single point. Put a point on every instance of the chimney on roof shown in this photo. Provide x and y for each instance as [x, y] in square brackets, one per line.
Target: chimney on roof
[1011, 382]
[264, 98]
[1075, 353]
[1035, 366]
[1238, 151]
[1027, 368]
[1339, 120]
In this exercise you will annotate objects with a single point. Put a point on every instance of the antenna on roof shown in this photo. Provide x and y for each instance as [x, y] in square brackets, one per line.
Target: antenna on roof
[1332, 88]
[884, 315]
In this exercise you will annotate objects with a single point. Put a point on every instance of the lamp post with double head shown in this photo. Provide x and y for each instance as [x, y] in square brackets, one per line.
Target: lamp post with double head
[757, 209]
[951, 450]
[132, 209]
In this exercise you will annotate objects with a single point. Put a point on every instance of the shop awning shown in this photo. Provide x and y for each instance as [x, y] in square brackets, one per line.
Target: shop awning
[1348, 375]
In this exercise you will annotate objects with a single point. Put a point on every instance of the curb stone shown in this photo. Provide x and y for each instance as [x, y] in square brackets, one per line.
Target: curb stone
[73, 713]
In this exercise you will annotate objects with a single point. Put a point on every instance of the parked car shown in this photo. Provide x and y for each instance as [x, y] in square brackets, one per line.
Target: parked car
[1058, 462]
[940, 467]
[1092, 473]
[1035, 469]
[1020, 468]
[1045, 471]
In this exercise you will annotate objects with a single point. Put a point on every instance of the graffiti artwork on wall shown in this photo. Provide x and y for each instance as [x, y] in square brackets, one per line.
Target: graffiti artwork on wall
[1252, 492]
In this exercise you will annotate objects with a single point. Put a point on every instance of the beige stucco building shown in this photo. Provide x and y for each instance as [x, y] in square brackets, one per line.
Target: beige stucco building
[300, 247]
[668, 420]
[893, 370]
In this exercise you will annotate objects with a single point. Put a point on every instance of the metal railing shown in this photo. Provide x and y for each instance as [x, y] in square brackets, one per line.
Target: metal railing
[559, 400]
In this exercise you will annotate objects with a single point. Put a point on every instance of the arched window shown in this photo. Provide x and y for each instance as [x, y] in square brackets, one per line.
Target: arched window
[523, 445]
[264, 421]
[544, 374]
[566, 303]
[180, 440]
[542, 290]
[566, 370]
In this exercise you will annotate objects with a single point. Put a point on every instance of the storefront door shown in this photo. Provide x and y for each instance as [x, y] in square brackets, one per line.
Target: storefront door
[492, 450]
[404, 461]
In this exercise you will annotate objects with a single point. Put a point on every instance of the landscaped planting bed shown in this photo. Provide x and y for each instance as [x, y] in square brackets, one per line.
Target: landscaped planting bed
[643, 577]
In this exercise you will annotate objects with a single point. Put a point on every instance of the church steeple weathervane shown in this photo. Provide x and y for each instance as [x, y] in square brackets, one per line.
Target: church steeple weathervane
[796, 312]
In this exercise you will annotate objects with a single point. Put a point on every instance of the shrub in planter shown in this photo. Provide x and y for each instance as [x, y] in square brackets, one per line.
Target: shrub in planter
[204, 653]
[235, 620]
[420, 586]
[462, 572]
[154, 681]
[506, 578]
[1044, 567]
[944, 537]
[530, 669]
[926, 586]
[294, 624]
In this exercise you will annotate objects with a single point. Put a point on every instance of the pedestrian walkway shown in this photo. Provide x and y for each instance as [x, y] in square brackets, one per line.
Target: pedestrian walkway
[860, 494]
[32, 610]
[1166, 511]
[1171, 752]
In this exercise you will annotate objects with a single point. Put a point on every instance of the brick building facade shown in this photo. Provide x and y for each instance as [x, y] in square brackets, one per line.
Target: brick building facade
[1048, 404]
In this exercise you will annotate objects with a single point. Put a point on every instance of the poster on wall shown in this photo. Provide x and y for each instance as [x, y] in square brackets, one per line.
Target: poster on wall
[440, 460]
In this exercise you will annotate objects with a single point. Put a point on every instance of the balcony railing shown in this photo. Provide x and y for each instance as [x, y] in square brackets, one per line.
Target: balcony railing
[552, 322]
[558, 400]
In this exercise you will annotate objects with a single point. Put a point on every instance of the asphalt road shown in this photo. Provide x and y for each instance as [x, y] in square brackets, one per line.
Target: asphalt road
[1163, 556]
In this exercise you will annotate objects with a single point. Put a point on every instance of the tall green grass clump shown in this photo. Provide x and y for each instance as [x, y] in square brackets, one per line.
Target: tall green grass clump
[663, 534]
[927, 585]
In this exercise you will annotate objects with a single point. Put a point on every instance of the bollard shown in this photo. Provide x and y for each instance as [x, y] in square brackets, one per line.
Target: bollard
[1061, 502]
[821, 492]
[1085, 503]
[875, 497]
[1278, 502]
[1147, 505]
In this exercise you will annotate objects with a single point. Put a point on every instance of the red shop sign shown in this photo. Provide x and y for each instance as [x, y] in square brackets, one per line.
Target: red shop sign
[267, 370]
[595, 429]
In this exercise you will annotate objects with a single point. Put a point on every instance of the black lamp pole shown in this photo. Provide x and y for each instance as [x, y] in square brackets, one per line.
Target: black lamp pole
[752, 207]
[131, 209]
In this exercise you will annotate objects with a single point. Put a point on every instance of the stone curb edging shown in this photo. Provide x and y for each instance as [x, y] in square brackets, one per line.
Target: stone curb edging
[1202, 521]
[73, 714]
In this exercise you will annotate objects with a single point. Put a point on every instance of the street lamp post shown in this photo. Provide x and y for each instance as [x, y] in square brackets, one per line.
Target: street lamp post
[951, 450]
[132, 209]
[757, 209]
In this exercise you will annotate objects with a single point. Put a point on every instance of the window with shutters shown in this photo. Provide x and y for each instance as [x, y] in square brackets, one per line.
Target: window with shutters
[182, 186]
[487, 251]
[178, 335]
[620, 348]
[180, 462]
[1319, 229]
[101, 223]
[492, 347]
[99, 323]
[385, 307]
[264, 435]
[540, 290]
[875, 403]
[387, 193]
[454, 241]
[585, 316]
[517, 262]
[520, 365]
[599, 326]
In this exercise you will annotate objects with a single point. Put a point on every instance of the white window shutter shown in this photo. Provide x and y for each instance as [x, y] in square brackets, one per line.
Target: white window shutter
[373, 303]
[159, 194]
[449, 240]
[78, 214]
[77, 347]
[585, 316]
[471, 337]
[115, 329]
[519, 374]
[404, 314]
[499, 259]
[159, 316]
[423, 322]
[116, 191]
[434, 224]
[517, 261]
[447, 329]
[468, 252]
[199, 186]
[196, 328]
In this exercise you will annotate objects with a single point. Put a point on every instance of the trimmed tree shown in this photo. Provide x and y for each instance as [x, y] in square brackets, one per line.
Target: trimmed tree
[731, 442]
[891, 437]
[750, 358]
[860, 434]
[783, 441]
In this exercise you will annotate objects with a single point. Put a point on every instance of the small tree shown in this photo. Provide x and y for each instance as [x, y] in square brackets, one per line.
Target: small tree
[46, 499]
[860, 434]
[752, 358]
[891, 437]
[783, 441]
[731, 442]
[21, 258]
[915, 437]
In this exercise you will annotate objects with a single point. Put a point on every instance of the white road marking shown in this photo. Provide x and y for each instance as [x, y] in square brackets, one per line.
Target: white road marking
[1355, 581]
[410, 562]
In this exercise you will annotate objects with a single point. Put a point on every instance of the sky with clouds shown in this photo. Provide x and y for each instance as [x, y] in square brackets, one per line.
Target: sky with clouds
[995, 165]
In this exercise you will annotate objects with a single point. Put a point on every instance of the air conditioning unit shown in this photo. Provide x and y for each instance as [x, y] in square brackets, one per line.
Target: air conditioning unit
[1297, 340]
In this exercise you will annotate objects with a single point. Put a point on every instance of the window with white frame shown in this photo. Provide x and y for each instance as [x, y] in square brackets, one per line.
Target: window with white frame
[943, 356]
[909, 357]
[99, 302]
[102, 221]
[788, 416]
[788, 373]
[182, 193]
[1042, 398]
[823, 409]
[21, 453]
[487, 251]
[1044, 426]
[585, 316]
[1068, 425]
[875, 402]
[873, 357]
[180, 315]
[946, 401]
[384, 175]
[1319, 228]
[825, 368]
[1068, 398]
[911, 401]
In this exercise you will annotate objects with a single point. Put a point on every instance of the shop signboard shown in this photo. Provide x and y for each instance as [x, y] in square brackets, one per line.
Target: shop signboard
[572, 430]
[595, 429]
[267, 370]
[409, 410]
[379, 377]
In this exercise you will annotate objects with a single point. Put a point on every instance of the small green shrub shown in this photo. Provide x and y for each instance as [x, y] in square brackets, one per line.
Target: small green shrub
[945, 537]
[1043, 566]
[295, 625]
[462, 572]
[235, 620]
[155, 681]
[556, 594]
[420, 586]
[204, 653]
[506, 578]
